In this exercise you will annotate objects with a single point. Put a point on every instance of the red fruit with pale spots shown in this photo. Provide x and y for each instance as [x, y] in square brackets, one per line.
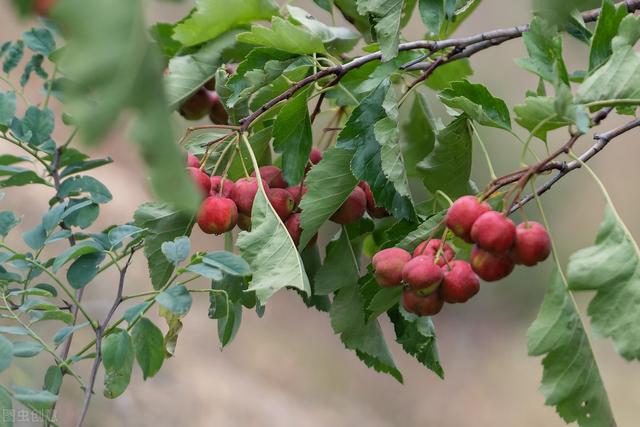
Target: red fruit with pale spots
[217, 114]
[197, 105]
[192, 161]
[388, 264]
[217, 215]
[297, 192]
[422, 275]
[372, 208]
[533, 244]
[244, 192]
[227, 187]
[460, 283]
[490, 266]
[431, 247]
[244, 222]
[352, 209]
[200, 180]
[429, 305]
[272, 175]
[281, 201]
[494, 232]
[463, 213]
[293, 227]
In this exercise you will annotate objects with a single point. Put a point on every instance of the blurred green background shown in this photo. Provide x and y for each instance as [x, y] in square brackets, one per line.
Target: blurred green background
[288, 368]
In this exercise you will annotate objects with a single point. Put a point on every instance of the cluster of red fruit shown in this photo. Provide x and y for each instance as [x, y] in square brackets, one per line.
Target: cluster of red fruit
[432, 276]
[206, 101]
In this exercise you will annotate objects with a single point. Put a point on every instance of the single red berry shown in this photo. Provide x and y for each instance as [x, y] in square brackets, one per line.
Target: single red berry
[216, 182]
[429, 305]
[431, 248]
[43, 7]
[422, 275]
[352, 209]
[491, 266]
[197, 105]
[272, 175]
[494, 232]
[293, 227]
[533, 244]
[373, 210]
[200, 180]
[460, 283]
[244, 192]
[388, 265]
[192, 161]
[218, 114]
[281, 201]
[297, 192]
[463, 213]
[217, 215]
[315, 156]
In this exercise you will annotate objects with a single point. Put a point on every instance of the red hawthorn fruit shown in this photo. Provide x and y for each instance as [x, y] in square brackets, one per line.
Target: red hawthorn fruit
[460, 283]
[217, 215]
[200, 180]
[491, 266]
[197, 105]
[244, 192]
[282, 202]
[293, 227]
[217, 114]
[388, 265]
[297, 192]
[463, 213]
[533, 244]
[43, 7]
[192, 161]
[429, 305]
[431, 247]
[227, 187]
[244, 222]
[315, 156]
[372, 208]
[352, 209]
[494, 232]
[272, 175]
[422, 275]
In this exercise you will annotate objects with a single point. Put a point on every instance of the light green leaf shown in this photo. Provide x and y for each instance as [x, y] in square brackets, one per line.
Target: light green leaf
[386, 16]
[329, 184]
[293, 138]
[39, 40]
[442, 77]
[176, 299]
[6, 353]
[6, 406]
[177, 250]
[570, 380]
[539, 113]
[73, 253]
[214, 17]
[270, 252]
[478, 103]
[85, 184]
[117, 358]
[606, 29]
[61, 335]
[163, 224]
[27, 349]
[227, 262]
[148, 342]
[7, 108]
[35, 399]
[336, 39]
[8, 220]
[383, 300]
[340, 267]
[544, 45]
[283, 35]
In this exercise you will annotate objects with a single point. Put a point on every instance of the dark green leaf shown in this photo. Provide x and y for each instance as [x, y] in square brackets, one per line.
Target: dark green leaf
[82, 271]
[227, 262]
[418, 134]
[53, 379]
[229, 324]
[85, 184]
[117, 358]
[39, 40]
[442, 77]
[22, 178]
[13, 56]
[386, 16]
[8, 220]
[35, 238]
[340, 267]
[478, 103]
[148, 342]
[606, 29]
[383, 300]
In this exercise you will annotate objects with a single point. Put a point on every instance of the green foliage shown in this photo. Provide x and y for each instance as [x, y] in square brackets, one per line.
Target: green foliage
[148, 342]
[570, 381]
[606, 29]
[336, 39]
[340, 266]
[283, 35]
[385, 16]
[478, 103]
[117, 357]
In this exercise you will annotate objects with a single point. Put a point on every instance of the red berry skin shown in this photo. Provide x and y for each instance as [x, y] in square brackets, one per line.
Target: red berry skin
[200, 180]
[315, 156]
[217, 215]
[293, 227]
[494, 232]
[490, 266]
[43, 7]
[197, 105]
[352, 209]
[297, 192]
[431, 247]
[463, 213]
[429, 305]
[533, 244]
[281, 201]
[388, 265]
[373, 210]
[192, 161]
[422, 275]
[272, 175]
[217, 114]
[227, 187]
[460, 283]
[244, 192]
[244, 222]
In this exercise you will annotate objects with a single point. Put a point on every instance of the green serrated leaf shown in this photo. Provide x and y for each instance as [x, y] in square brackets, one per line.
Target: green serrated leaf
[285, 36]
[386, 17]
[606, 29]
[340, 267]
[148, 342]
[336, 39]
[478, 103]
[544, 46]
[538, 114]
